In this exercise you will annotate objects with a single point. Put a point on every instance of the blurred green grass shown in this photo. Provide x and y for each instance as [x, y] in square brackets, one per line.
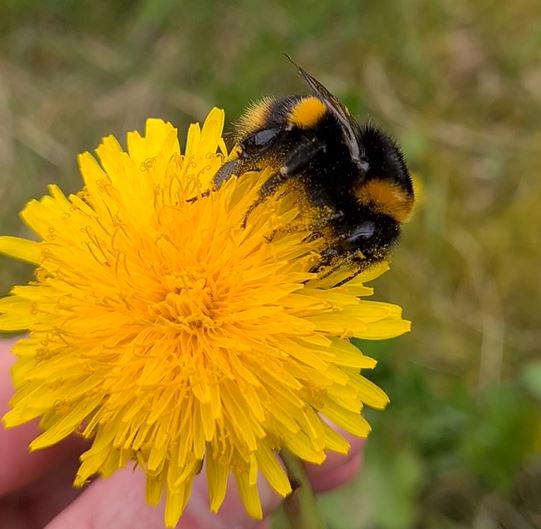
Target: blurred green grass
[459, 85]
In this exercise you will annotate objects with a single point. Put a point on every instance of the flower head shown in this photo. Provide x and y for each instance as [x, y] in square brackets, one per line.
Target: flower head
[178, 326]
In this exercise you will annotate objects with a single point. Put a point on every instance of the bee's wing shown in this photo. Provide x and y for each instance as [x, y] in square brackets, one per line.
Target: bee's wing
[347, 124]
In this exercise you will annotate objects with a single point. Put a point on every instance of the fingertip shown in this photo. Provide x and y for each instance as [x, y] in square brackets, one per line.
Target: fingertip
[20, 466]
[119, 502]
[337, 469]
[338, 476]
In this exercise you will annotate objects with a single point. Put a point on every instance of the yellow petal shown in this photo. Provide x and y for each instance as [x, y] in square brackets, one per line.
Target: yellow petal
[350, 421]
[249, 495]
[217, 475]
[273, 471]
[22, 249]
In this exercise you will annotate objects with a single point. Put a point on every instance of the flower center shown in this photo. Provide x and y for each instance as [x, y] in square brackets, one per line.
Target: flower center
[192, 301]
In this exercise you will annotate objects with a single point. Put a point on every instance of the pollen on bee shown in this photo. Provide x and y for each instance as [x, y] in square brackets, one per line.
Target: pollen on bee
[307, 112]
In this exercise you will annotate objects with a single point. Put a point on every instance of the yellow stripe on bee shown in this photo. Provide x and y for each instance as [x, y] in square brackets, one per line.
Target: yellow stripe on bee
[307, 112]
[387, 198]
[253, 118]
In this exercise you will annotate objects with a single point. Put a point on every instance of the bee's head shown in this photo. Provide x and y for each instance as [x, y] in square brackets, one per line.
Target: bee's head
[373, 236]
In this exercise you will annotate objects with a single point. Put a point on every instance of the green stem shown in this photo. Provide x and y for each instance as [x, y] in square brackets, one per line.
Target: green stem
[300, 506]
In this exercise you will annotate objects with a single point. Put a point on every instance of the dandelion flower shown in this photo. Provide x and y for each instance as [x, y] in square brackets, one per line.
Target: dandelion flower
[173, 329]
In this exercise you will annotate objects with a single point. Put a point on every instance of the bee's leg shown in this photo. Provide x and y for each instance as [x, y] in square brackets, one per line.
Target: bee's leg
[333, 257]
[271, 184]
[293, 164]
[196, 198]
[327, 256]
[296, 161]
[266, 189]
[227, 170]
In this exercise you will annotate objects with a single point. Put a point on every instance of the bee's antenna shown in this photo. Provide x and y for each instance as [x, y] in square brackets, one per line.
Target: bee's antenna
[288, 57]
[313, 83]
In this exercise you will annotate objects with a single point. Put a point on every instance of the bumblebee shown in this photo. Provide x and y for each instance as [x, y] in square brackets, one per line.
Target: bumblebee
[355, 173]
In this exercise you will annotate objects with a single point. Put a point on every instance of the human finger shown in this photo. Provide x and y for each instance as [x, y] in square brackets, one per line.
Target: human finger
[20, 467]
[119, 501]
[337, 469]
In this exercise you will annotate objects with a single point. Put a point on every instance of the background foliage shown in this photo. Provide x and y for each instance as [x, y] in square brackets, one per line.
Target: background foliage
[458, 83]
